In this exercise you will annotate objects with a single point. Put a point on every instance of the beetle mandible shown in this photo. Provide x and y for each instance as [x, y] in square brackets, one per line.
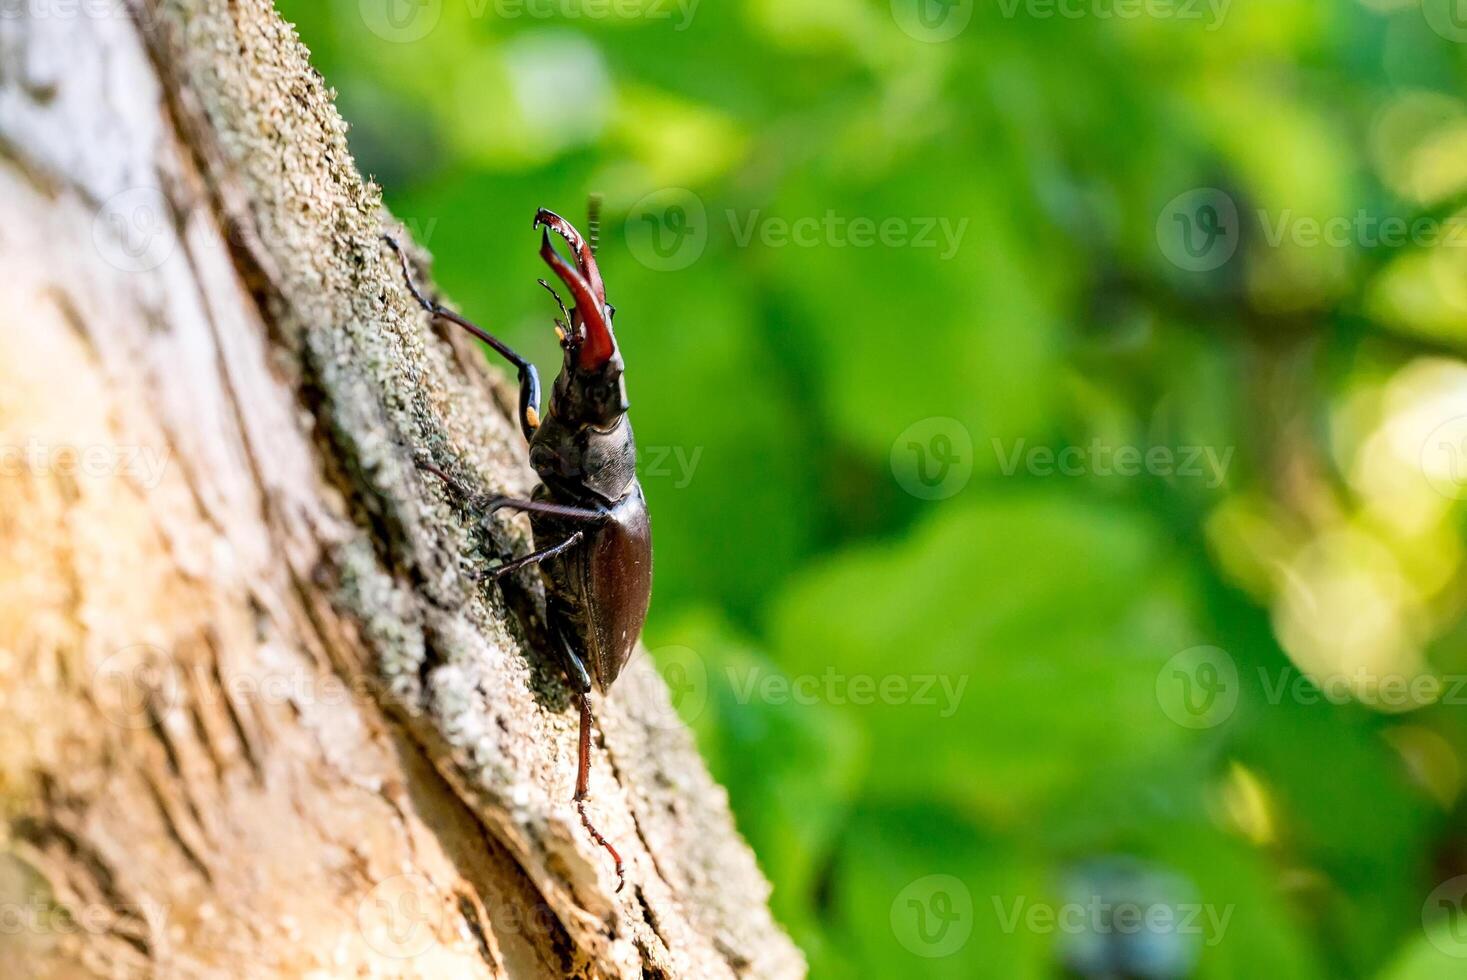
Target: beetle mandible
[593, 541]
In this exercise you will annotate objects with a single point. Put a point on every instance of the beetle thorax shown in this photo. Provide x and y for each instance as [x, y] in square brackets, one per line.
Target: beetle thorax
[576, 459]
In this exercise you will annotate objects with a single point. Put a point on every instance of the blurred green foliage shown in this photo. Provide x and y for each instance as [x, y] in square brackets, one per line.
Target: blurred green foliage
[1227, 226]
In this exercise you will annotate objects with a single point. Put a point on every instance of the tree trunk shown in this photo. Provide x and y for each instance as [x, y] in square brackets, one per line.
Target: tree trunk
[257, 718]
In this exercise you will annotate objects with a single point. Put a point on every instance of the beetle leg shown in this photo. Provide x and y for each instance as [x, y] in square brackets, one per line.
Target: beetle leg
[529, 378]
[492, 504]
[581, 681]
[583, 784]
[499, 571]
[541, 507]
[575, 668]
[453, 484]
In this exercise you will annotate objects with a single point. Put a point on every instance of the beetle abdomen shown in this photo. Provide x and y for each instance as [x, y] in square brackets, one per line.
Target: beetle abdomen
[600, 589]
[617, 569]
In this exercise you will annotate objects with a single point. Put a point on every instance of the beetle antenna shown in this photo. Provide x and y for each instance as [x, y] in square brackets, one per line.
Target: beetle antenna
[593, 220]
[558, 301]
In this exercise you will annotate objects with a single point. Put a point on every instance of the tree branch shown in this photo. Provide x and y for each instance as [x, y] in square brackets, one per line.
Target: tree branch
[256, 707]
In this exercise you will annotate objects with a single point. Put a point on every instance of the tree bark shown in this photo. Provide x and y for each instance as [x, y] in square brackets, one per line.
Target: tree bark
[257, 716]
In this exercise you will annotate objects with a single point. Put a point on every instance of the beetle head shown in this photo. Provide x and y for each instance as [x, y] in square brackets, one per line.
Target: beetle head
[590, 389]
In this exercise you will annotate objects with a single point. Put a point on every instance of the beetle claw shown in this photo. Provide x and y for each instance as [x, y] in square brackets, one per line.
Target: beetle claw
[591, 328]
[584, 253]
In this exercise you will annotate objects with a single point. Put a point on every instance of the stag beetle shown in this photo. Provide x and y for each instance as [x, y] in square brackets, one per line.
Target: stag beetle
[593, 541]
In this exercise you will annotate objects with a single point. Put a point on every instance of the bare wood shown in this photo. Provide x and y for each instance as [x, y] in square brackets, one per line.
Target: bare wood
[257, 716]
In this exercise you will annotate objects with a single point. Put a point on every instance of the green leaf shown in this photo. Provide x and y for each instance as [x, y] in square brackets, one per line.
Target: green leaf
[1013, 645]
